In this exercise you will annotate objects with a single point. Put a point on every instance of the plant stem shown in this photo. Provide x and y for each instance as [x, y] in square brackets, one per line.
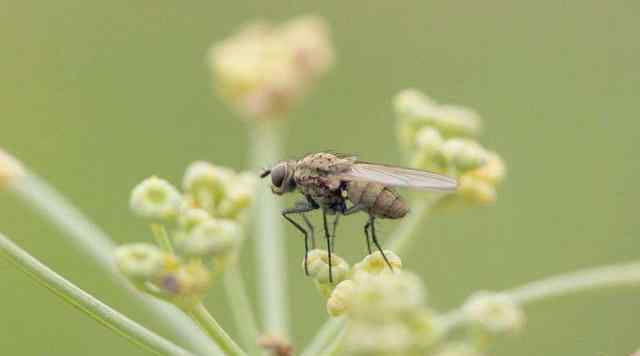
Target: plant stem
[627, 274]
[333, 349]
[98, 247]
[324, 338]
[91, 306]
[161, 237]
[269, 235]
[202, 317]
[241, 308]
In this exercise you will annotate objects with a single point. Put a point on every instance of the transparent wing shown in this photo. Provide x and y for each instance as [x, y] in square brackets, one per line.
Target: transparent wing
[399, 177]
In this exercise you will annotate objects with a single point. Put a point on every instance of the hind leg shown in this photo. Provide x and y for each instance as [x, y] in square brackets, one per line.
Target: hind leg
[375, 240]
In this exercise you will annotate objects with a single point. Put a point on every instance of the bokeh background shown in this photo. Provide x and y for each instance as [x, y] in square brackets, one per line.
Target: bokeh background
[96, 96]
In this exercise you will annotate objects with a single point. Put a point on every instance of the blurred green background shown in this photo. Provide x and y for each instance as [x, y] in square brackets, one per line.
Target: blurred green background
[98, 95]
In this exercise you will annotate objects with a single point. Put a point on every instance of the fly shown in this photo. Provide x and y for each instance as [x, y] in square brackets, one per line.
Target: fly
[329, 182]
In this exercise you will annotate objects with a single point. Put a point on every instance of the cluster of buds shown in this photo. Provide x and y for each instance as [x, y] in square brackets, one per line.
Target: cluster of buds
[493, 312]
[10, 169]
[385, 309]
[263, 69]
[198, 230]
[442, 139]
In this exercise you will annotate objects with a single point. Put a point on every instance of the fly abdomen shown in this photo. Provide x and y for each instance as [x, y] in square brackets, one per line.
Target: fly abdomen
[381, 201]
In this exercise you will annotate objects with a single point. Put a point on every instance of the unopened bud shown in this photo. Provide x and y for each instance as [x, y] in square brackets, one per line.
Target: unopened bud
[496, 312]
[10, 169]
[155, 198]
[464, 154]
[190, 218]
[206, 184]
[139, 261]
[476, 190]
[318, 266]
[375, 262]
[340, 298]
[213, 237]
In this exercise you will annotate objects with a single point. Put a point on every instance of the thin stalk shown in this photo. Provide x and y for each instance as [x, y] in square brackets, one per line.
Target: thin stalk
[323, 340]
[627, 274]
[202, 317]
[333, 349]
[269, 235]
[241, 309]
[98, 247]
[161, 237]
[100, 312]
[399, 242]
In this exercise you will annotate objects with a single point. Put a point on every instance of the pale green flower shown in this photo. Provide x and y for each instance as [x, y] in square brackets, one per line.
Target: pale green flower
[496, 312]
[139, 261]
[155, 198]
[213, 237]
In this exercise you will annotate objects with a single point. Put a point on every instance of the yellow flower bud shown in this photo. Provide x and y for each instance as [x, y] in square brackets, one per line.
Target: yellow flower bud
[340, 298]
[155, 198]
[139, 261]
[375, 263]
[318, 265]
[10, 169]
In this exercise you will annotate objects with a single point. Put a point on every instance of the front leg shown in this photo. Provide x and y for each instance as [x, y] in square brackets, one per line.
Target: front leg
[301, 208]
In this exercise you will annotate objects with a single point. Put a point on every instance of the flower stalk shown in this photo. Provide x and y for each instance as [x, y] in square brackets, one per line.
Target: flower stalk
[269, 235]
[202, 317]
[102, 313]
[627, 274]
[97, 246]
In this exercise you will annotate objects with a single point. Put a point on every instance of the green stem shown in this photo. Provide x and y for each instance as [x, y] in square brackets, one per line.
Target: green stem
[241, 308]
[208, 324]
[98, 247]
[333, 349]
[324, 338]
[627, 274]
[89, 305]
[161, 237]
[269, 235]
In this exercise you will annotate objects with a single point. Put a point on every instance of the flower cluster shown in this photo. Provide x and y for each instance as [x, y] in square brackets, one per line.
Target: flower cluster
[493, 312]
[263, 69]
[441, 138]
[385, 309]
[10, 168]
[205, 229]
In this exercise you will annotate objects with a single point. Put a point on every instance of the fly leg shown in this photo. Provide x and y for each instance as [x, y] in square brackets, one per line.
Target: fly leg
[366, 234]
[333, 230]
[375, 240]
[327, 237]
[301, 208]
[311, 230]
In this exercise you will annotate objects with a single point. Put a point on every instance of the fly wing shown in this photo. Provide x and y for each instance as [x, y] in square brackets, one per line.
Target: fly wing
[399, 177]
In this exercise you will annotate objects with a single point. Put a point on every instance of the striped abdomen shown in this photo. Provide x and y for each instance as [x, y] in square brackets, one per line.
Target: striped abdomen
[377, 199]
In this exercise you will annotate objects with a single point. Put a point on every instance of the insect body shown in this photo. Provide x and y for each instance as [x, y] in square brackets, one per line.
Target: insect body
[343, 186]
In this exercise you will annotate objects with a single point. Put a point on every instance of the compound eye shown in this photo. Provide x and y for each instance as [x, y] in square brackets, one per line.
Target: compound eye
[278, 174]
